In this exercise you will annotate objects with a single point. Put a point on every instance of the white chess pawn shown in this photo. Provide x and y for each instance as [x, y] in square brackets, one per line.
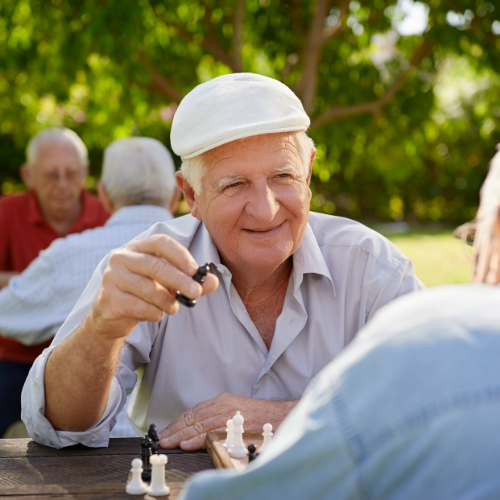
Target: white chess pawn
[267, 434]
[136, 486]
[158, 488]
[229, 430]
[238, 449]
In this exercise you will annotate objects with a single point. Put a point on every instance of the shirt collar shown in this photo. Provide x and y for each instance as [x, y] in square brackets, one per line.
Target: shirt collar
[139, 213]
[308, 258]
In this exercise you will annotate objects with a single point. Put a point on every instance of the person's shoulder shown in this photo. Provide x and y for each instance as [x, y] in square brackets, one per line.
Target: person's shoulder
[181, 229]
[95, 214]
[14, 200]
[333, 231]
[467, 303]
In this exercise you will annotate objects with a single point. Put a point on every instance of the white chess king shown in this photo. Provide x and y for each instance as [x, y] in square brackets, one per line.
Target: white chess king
[238, 450]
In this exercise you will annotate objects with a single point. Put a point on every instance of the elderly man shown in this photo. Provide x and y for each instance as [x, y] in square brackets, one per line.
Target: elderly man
[56, 204]
[138, 187]
[409, 410]
[295, 287]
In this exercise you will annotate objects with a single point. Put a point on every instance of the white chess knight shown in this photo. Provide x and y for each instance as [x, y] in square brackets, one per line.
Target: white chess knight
[238, 449]
[267, 434]
[158, 488]
[136, 485]
[229, 437]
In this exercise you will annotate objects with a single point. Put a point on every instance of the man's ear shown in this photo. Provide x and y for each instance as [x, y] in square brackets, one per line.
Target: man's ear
[189, 194]
[106, 200]
[311, 161]
[174, 200]
[26, 172]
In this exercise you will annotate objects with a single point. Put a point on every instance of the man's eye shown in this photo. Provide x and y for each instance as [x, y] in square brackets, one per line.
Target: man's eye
[283, 176]
[234, 184]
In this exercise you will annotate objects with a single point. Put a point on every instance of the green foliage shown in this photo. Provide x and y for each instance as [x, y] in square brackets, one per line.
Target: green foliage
[109, 69]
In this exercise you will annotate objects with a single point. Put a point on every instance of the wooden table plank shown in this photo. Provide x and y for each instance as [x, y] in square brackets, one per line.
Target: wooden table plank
[118, 446]
[31, 471]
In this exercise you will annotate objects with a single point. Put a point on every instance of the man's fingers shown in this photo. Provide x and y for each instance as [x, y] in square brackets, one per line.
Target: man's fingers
[197, 443]
[148, 290]
[210, 284]
[129, 306]
[155, 268]
[189, 432]
[167, 248]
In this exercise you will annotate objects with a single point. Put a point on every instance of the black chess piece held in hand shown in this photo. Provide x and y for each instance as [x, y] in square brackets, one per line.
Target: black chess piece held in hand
[199, 277]
[146, 452]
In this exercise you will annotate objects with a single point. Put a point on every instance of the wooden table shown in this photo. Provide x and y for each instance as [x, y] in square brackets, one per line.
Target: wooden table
[35, 472]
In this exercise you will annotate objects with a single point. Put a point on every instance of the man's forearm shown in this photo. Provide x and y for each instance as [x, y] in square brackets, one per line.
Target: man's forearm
[78, 377]
[5, 277]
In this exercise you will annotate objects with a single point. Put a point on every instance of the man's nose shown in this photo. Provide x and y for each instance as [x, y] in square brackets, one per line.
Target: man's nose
[263, 206]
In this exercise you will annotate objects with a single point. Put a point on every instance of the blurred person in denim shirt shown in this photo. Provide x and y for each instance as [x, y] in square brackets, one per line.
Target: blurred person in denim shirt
[411, 408]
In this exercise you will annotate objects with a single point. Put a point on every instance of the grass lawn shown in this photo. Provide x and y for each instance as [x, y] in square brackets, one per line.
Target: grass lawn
[439, 258]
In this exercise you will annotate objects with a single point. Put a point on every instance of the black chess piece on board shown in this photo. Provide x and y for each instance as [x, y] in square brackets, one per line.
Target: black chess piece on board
[199, 277]
[146, 452]
[153, 434]
[252, 452]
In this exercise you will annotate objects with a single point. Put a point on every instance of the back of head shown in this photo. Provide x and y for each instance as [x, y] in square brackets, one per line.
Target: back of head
[56, 136]
[138, 171]
[486, 241]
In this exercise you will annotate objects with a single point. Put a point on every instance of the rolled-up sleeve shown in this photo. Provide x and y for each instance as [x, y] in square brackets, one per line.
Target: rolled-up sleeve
[137, 347]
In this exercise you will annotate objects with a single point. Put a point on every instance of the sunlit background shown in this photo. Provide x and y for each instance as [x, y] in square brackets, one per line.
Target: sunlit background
[404, 96]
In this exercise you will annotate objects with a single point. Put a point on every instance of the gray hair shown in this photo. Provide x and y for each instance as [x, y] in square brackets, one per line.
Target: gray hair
[138, 171]
[485, 241]
[193, 169]
[56, 136]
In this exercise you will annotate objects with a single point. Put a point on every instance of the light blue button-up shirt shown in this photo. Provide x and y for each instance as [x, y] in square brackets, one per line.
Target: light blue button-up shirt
[409, 411]
[37, 302]
[342, 273]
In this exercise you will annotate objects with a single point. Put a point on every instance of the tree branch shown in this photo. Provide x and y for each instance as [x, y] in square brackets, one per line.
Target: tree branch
[238, 36]
[374, 107]
[160, 83]
[210, 43]
[317, 36]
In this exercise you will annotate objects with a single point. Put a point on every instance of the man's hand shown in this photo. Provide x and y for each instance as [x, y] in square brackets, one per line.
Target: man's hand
[189, 429]
[140, 284]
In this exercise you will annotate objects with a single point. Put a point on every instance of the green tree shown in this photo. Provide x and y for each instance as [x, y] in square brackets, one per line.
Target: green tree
[391, 143]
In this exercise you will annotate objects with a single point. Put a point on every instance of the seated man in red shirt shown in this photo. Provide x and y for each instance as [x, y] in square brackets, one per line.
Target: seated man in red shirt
[55, 205]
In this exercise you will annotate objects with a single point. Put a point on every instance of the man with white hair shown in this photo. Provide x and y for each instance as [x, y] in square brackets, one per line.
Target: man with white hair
[56, 204]
[409, 410]
[138, 188]
[295, 287]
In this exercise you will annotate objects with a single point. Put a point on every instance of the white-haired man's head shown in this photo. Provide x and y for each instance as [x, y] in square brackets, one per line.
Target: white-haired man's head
[138, 171]
[193, 169]
[487, 237]
[56, 136]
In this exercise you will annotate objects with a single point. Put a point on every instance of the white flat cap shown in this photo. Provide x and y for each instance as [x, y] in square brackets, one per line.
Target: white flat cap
[233, 107]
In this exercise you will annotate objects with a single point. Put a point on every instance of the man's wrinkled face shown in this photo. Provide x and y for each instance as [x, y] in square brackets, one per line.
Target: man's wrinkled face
[255, 200]
[57, 178]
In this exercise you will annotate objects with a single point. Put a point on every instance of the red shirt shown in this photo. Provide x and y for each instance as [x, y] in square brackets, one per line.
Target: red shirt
[23, 233]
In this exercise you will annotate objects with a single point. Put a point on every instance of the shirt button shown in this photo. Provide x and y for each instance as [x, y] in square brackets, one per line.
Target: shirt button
[268, 371]
[93, 439]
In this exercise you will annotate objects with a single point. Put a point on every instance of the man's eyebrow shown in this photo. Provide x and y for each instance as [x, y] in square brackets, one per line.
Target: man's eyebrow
[227, 180]
[285, 168]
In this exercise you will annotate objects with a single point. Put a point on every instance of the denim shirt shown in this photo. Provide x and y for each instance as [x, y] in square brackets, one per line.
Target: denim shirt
[410, 410]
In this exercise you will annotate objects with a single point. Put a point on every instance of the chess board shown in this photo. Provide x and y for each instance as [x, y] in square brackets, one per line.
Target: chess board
[219, 455]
